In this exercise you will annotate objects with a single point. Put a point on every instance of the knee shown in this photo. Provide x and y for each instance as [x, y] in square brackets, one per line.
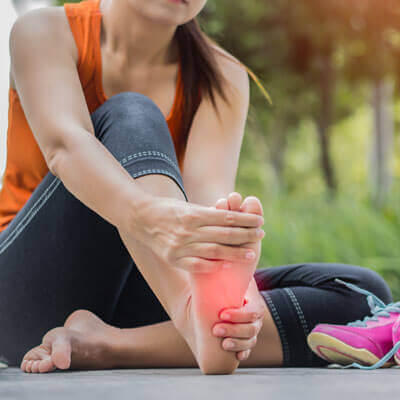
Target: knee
[131, 122]
[135, 108]
[373, 282]
[129, 112]
[362, 277]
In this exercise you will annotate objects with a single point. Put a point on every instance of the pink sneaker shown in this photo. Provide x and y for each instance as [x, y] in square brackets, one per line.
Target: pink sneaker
[366, 344]
[396, 340]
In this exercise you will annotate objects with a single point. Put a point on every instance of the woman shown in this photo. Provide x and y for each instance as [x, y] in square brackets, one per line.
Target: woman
[135, 272]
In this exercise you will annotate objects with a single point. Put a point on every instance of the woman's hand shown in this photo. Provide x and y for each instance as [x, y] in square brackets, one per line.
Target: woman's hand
[240, 326]
[194, 237]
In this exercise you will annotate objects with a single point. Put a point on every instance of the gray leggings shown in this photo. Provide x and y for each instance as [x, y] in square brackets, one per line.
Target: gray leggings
[57, 255]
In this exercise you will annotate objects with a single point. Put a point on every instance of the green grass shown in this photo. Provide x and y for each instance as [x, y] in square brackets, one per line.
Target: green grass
[302, 225]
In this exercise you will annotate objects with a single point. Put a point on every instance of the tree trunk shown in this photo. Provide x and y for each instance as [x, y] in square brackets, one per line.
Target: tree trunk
[327, 88]
[382, 140]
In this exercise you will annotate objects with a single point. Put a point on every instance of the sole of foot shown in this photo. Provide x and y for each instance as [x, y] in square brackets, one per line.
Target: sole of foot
[225, 288]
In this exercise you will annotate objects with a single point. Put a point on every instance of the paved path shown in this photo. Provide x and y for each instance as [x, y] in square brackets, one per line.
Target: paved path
[189, 384]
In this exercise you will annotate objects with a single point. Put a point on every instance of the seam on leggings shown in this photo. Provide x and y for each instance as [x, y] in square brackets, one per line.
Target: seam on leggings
[30, 214]
[160, 171]
[281, 329]
[301, 316]
[145, 154]
[151, 158]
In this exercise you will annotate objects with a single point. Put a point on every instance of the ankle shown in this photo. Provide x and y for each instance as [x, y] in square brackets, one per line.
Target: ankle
[116, 345]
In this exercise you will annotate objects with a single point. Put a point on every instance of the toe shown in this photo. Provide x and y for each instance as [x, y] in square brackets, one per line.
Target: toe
[28, 366]
[61, 352]
[46, 366]
[35, 366]
[252, 205]
[234, 200]
[23, 365]
[222, 204]
[37, 360]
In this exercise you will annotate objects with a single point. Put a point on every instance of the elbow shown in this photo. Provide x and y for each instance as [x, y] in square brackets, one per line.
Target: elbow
[53, 160]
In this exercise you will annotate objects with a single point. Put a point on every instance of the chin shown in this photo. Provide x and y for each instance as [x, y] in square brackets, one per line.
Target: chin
[167, 12]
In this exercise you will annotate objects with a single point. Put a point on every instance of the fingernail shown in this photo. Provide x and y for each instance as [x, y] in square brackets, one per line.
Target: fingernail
[229, 345]
[225, 316]
[220, 331]
[260, 233]
[250, 255]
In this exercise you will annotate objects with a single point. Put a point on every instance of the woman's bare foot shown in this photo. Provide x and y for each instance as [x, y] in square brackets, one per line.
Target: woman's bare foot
[225, 288]
[82, 343]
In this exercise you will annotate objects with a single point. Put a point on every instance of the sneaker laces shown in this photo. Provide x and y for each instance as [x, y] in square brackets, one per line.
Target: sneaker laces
[377, 306]
[378, 309]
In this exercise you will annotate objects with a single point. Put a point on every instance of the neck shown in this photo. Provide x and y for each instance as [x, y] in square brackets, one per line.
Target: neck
[140, 40]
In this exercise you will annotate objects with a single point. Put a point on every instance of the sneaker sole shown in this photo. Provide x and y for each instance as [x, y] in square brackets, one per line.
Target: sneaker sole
[335, 351]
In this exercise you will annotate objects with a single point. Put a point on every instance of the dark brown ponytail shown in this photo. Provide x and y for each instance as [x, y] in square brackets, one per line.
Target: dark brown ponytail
[201, 74]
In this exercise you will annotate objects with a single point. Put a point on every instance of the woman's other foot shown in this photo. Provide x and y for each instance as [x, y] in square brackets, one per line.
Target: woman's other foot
[365, 342]
[82, 343]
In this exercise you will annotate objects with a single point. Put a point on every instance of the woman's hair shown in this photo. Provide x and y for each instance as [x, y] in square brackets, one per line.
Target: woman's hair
[201, 74]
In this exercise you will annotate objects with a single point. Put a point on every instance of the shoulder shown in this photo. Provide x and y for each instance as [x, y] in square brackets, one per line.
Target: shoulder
[42, 30]
[41, 23]
[235, 75]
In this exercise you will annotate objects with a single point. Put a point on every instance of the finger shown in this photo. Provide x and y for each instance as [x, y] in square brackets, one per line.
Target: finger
[236, 331]
[230, 344]
[241, 315]
[234, 201]
[210, 216]
[243, 355]
[216, 251]
[226, 235]
[200, 265]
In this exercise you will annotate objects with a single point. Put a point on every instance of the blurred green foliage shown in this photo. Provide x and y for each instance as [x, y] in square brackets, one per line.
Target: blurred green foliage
[319, 60]
[303, 224]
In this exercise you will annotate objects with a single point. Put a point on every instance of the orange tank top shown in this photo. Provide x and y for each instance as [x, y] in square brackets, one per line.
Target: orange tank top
[25, 164]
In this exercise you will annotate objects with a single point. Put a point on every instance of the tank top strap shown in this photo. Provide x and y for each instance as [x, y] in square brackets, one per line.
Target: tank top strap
[83, 20]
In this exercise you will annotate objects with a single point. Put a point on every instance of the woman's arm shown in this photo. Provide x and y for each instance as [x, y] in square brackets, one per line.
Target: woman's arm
[213, 148]
[43, 69]
[209, 173]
